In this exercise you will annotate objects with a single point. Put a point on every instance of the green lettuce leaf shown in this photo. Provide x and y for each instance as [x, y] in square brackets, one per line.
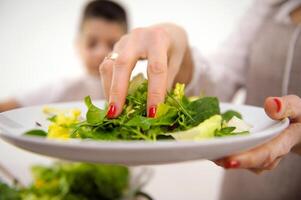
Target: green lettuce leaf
[204, 130]
[94, 114]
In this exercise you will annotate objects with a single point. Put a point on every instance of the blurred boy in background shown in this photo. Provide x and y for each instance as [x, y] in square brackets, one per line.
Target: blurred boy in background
[102, 24]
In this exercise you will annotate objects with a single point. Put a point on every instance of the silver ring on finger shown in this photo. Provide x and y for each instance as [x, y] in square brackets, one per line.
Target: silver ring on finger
[112, 56]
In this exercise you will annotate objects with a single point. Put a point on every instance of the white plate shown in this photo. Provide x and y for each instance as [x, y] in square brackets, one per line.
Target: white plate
[14, 123]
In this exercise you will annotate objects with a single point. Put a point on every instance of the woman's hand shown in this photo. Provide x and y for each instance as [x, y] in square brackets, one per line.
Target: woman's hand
[165, 47]
[268, 155]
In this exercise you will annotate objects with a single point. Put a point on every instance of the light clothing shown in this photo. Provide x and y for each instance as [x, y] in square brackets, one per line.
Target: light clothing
[223, 73]
[262, 56]
[68, 89]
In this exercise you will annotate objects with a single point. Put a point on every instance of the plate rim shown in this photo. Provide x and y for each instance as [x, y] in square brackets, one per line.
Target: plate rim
[274, 131]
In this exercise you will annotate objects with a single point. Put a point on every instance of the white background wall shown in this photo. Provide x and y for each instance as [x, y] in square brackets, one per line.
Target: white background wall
[37, 36]
[37, 47]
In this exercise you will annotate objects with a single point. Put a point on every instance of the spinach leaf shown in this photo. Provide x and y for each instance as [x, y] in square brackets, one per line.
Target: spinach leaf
[224, 132]
[140, 121]
[36, 132]
[229, 114]
[228, 131]
[202, 109]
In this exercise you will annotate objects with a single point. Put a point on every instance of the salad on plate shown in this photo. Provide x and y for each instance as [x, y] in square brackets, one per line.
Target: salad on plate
[178, 118]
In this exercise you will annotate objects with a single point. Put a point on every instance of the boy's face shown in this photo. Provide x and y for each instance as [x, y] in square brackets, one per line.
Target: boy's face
[96, 40]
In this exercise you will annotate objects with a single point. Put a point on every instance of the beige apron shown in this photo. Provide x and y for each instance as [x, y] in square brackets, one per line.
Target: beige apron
[274, 69]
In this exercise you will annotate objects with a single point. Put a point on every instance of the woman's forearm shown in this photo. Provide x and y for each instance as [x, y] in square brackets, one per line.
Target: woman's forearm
[8, 105]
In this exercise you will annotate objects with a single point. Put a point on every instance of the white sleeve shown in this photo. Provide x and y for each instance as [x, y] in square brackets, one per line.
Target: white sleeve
[53, 92]
[43, 95]
[201, 82]
[223, 73]
[63, 90]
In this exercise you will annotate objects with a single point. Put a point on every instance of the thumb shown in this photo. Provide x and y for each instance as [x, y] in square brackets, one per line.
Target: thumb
[281, 107]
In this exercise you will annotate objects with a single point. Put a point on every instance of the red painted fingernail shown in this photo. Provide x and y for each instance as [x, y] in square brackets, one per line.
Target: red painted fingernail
[112, 110]
[231, 164]
[152, 111]
[278, 103]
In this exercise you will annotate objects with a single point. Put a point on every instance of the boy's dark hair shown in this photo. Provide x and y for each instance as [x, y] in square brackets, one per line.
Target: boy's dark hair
[107, 10]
